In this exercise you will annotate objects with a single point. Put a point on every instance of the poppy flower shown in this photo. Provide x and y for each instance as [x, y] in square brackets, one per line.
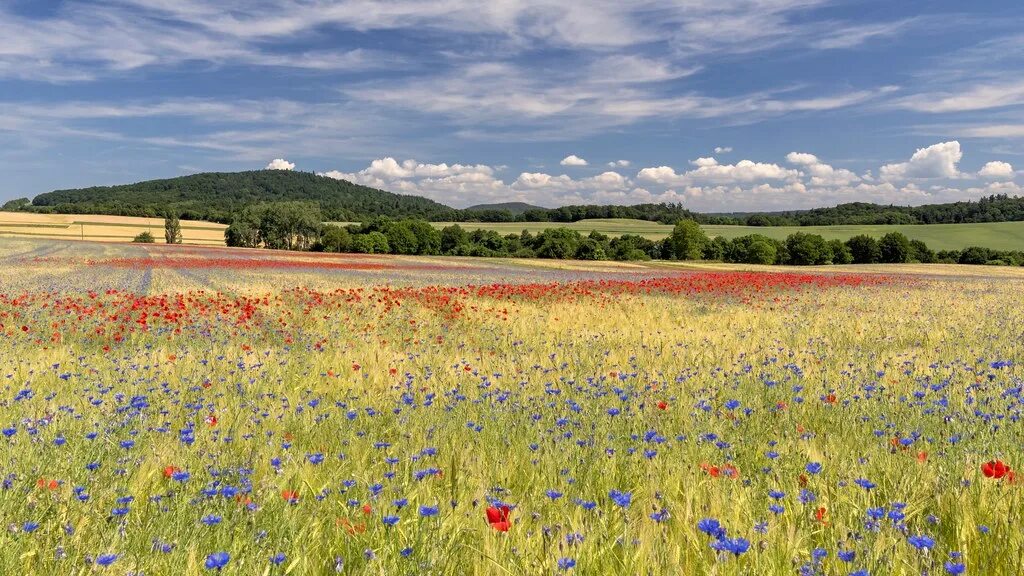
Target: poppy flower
[169, 471]
[367, 509]
[995, 469]
[820, 513]
[498, 518]
[48, 484]
[662, 405]
[290, 496]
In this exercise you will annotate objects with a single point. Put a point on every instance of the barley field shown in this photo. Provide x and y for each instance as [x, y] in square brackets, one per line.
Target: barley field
[195, 410]
[102, 228]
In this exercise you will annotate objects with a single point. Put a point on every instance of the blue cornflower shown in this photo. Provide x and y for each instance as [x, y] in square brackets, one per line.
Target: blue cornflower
[390, 520]
[405, 552]
[217, 560]
[813, 467]
[211, 519]
[106, 559]
[776, 494]
[428, 511]
[711, 527]
[566, 563]
[278, 558]
[660, 516]
[776, 509]
[621, 498]
[553, 494]
[736, 546]
[846, 555]
[921, 542]
[864, 483]
[315, 458]
[30, 526]
[819, 554]
[955, 567]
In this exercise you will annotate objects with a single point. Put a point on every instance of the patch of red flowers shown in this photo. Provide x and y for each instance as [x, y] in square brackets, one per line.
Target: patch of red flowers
[996, 469]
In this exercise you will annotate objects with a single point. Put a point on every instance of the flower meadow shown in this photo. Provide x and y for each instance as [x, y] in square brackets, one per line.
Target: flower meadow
[212, 411]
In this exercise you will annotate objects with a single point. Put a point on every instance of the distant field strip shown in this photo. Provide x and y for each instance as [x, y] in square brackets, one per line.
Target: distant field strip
[103, 228]
[995, 235]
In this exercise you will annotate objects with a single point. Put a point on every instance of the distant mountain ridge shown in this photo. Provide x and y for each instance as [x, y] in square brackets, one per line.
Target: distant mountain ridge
[217, 196]
[516, 208]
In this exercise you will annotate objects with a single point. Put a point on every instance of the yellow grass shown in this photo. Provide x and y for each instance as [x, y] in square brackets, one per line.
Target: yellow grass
[103, 228]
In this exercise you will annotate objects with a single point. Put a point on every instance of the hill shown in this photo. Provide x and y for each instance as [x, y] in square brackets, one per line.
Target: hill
[515, 208]
[216, 196]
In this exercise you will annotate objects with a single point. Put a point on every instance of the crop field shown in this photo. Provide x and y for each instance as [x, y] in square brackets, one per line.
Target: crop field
[102, 228]
[198, 410]
[994, 235]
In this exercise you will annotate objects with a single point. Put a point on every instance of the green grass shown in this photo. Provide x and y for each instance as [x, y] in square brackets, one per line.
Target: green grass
[997, 235]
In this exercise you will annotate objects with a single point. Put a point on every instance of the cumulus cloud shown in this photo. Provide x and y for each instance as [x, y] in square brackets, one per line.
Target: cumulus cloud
[997, 171]
[573, 160]
[821, 174]
[936, 161]
[804, 181]
[280, 164]
[723, 149]
[619, 164]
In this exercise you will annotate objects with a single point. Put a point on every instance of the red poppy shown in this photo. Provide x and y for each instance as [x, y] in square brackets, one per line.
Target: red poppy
[290, 496]
[169, 471]
[211, 420]
[498, 518]
[367, 509]
[820, 513]
[662, 405]
[995, 469]
[922, 456]
[48, 484]
[830, 398]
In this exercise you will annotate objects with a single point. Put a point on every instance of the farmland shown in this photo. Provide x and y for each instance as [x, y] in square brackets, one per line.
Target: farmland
[201, 410]
[102, 228]
[995, 235]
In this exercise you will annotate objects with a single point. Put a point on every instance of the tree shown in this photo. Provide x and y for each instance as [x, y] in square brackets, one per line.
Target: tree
[144, 238]
[921, 252]
[16, 204]
[370, 243]
[864, 249]
[172, 229]
[452, 238]
[841, 253]
[428, 238]
[401, 238]
[807, 249]
[688, 240]
[975, 255]
[590, 249]
[560, 243]
[335, 239]
[894, 248]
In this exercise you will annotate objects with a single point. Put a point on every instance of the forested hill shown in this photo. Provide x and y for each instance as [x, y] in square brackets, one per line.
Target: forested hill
[216, 196]
[219, 196]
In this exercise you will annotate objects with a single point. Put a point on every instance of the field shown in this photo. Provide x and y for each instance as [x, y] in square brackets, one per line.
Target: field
[994, 235]
[197, 410]
[102, 228]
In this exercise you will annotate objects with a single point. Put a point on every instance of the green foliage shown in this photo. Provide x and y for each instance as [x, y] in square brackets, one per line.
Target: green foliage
[453, 238]
[144, 238]
[282, 225]
[172, 230]
[841, 253]
[920, 252]
[16, 204]
[590, 249]
[807, 249]
[688, 240]
[864, 249]
[558, 243]
[335, 239]
[894, 248]
[370, 243]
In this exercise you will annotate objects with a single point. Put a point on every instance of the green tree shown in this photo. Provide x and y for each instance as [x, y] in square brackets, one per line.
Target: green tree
[688, 240]
[144, 238]
[335, 239]
[559, 243]
[894, 248]
[428, 238]
[921, 252]
[864, 249]
[172, 229]
[370, 243]
[452, 239]
[807, 249]
[590, 249]
[841, 253]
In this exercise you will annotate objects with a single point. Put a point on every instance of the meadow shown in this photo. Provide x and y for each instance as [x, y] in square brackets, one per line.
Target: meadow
[196, 410]
[994, 235]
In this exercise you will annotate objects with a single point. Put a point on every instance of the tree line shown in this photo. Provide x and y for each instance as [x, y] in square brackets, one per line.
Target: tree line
[297, 226]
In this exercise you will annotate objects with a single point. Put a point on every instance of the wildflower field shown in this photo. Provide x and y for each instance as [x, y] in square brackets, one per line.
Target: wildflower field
[186, 410]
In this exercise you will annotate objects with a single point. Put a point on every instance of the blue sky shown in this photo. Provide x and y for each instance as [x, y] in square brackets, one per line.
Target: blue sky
[720, 105]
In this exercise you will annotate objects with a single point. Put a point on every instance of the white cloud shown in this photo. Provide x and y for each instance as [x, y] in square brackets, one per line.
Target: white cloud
[969, 98]
[936, 161]
[997, 171]
[619, 164]
[573, 160]
[280, 164]
[723, 149]
[821, 174]
[704, 162]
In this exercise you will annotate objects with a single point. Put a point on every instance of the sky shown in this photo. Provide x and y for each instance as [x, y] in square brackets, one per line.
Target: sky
[721, 105]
